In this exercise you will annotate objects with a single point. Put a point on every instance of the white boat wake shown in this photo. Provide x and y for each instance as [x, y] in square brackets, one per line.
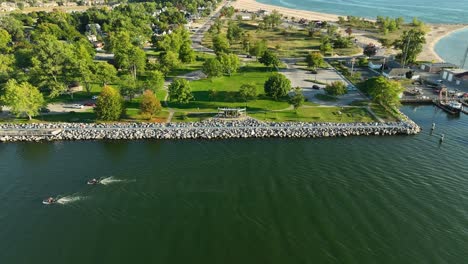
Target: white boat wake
[70, 199]
[111, 180]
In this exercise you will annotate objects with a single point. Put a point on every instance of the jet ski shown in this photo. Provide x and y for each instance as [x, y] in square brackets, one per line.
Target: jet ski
[49, 200]
[93, 182]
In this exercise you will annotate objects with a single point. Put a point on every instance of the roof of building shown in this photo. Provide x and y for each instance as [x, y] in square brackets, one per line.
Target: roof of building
[455, 71]
[463, 75]
[441, 65]
[398, 71]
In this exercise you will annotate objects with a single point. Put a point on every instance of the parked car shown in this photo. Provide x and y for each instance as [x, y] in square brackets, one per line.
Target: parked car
[316, 87]
[44, 110]
[90, 104]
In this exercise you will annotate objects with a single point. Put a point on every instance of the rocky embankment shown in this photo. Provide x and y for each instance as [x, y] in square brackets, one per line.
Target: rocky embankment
[209, 129]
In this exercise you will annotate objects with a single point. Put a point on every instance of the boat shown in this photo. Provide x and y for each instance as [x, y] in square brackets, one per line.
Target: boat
[93, 182]
[453, 106]
[49, 200]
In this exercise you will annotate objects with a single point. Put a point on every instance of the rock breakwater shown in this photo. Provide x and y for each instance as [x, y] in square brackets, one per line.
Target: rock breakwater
[209, 129]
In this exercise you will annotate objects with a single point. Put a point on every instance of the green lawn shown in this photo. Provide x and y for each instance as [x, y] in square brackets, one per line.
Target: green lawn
[190, 117]
[223, 92]
[185, 68]
[287, 42]
[316, 114]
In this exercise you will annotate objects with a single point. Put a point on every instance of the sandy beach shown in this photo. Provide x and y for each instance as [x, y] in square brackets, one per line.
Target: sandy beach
[252, 5]
[437, 31]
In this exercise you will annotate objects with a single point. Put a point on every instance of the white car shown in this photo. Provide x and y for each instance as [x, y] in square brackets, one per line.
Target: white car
[76, 106]
[95, 97]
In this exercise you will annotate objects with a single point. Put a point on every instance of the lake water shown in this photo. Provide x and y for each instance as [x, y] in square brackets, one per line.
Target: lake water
[451, 49]
[401, 199]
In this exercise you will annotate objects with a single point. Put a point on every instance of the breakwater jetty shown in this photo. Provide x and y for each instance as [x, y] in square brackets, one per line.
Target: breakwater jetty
[209, 129]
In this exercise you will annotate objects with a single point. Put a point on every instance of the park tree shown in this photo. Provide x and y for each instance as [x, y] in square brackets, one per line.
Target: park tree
[230, 63]
[227, 11]
[336, 88]
[169, 61]
[246, 41]
[314, 60]
[248, 91]
[383, 91]
[150, 105]
[180, 91]
[154, 80]
[277, 86]
[127, 56]
[212, 68]
[258, 48]
[105, 73]
[220, 44]
[54, 64]
[325, 45]
[129, 87]
[270, 59]
[109, 105]
[297, 99]
[23, 98]
[186, 53]
[234, 32]
[5, 40]
[13, 26]
[411, 45]
[370, 50]
[272, 20]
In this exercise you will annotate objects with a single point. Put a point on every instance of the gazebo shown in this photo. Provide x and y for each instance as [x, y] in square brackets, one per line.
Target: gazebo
[231, 112]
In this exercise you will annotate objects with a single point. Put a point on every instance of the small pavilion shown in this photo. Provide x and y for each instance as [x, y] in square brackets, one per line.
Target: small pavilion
[231, 112]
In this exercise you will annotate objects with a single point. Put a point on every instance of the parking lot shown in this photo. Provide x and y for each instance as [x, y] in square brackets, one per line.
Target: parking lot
[300, 77]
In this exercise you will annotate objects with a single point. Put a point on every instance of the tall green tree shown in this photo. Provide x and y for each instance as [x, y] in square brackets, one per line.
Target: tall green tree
[154, 81]
[277, 86]
[230, 63]
[220, 44]
[5, 40]
[169, 61]
[297, 98]
[411, 45]
[109, 105]
[270, 59]
[23, 98]
[325, 45]
[336, 88]
[383, 91]
[129, 86]
[248, 91]
[212, 68]
[180, 91]
[314, 60]
[105, 73]
[54, 64]
[258, 48]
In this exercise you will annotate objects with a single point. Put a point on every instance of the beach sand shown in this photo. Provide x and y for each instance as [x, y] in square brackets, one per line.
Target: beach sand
[252, 5]
[437, 31]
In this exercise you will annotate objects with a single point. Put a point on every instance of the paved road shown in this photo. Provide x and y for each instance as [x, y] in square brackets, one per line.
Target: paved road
[197, 37]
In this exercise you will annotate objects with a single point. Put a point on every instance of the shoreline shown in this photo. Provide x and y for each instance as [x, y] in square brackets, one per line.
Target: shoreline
[436, 33]
[209, 129]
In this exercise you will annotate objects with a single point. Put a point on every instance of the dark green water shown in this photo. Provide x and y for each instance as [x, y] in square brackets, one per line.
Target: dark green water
[341, 200]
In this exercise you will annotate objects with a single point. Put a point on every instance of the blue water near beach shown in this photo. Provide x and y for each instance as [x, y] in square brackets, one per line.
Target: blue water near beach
[453, 47]
[450, 49]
